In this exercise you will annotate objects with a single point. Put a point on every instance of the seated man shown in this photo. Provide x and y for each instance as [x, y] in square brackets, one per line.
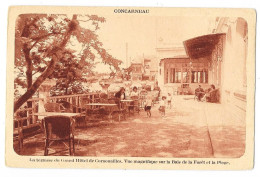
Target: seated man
[199, 92]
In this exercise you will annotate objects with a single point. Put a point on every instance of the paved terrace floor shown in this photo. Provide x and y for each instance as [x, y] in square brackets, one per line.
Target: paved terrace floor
[190, 129]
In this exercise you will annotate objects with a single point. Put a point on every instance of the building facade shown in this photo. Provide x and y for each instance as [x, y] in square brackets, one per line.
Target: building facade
[233, 64]
[182, 75]
[147, 69]
[137, 71]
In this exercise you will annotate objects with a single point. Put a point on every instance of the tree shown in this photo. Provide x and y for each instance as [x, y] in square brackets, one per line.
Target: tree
[70, 75]
[42, 42]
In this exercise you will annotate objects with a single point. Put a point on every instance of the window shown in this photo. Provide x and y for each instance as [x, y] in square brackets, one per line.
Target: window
[167, 76]
[178, 77]
[194, 77]
[199, 76]
[185, 75]
[172, 75]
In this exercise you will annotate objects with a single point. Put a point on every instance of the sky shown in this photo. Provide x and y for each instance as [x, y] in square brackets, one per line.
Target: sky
[142, 34]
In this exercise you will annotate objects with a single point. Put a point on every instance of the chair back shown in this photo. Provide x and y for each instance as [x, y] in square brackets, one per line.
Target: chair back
[52, 107]
[103, 96]
[58, 127]
[84, 101]
[136, 100]
[65, 106]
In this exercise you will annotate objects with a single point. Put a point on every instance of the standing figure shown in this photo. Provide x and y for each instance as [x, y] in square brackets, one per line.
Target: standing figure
[162, 106]
[148, 105]
[169, 101]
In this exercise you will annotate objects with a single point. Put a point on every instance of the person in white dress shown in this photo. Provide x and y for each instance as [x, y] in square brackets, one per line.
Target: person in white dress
[169, 101]
[162, 106]
[148, 105]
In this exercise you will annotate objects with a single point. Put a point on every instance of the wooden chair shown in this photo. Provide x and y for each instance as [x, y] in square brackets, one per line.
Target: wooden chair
[179, 91]
[135, 104]
[142, 98]
[65, 106]
[22, 130]
[24, 127]
[68, 107]
[59, 128]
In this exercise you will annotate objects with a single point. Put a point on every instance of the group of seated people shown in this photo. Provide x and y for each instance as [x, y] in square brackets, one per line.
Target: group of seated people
[116, 99]
[121, 94]
[209, 95]
[134, 95]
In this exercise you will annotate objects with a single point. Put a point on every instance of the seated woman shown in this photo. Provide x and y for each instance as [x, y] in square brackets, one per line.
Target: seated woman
[212, 94]
[120, 95]
[134, 92]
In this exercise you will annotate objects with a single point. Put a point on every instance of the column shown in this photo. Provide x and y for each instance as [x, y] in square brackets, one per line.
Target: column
[169, 75]
[181, 75]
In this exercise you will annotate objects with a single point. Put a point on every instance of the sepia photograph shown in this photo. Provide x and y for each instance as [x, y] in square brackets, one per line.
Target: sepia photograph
[130, 84]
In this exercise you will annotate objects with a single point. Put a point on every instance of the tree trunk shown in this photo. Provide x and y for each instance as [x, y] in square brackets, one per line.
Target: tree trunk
[66, 91]
[29, 68]
[29, 93]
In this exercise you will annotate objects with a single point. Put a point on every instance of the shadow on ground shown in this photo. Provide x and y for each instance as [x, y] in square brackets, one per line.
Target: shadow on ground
[177, 135]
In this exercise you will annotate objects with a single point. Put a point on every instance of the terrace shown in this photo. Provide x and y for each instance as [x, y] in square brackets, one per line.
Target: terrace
[189, 129]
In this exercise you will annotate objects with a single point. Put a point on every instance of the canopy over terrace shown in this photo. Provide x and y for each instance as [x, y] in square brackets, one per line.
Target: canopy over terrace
[210, 48]
[202, 46]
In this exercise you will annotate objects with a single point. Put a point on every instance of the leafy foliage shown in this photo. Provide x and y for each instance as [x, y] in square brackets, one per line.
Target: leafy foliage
[56, 46]
[127, 73]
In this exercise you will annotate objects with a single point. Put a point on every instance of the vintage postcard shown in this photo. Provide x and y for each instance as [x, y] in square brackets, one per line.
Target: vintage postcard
[130, 88]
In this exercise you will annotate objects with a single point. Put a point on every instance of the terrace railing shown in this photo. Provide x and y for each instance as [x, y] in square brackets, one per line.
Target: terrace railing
[27, 117]
[26, 122]
[78, 101]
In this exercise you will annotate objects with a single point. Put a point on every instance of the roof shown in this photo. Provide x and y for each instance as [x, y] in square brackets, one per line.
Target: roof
[202, 46]
[177, 57]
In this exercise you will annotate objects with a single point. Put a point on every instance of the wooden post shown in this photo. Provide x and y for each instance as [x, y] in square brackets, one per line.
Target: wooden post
[28, 117]
[34, 118]
[169, 75]
[77, 104]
